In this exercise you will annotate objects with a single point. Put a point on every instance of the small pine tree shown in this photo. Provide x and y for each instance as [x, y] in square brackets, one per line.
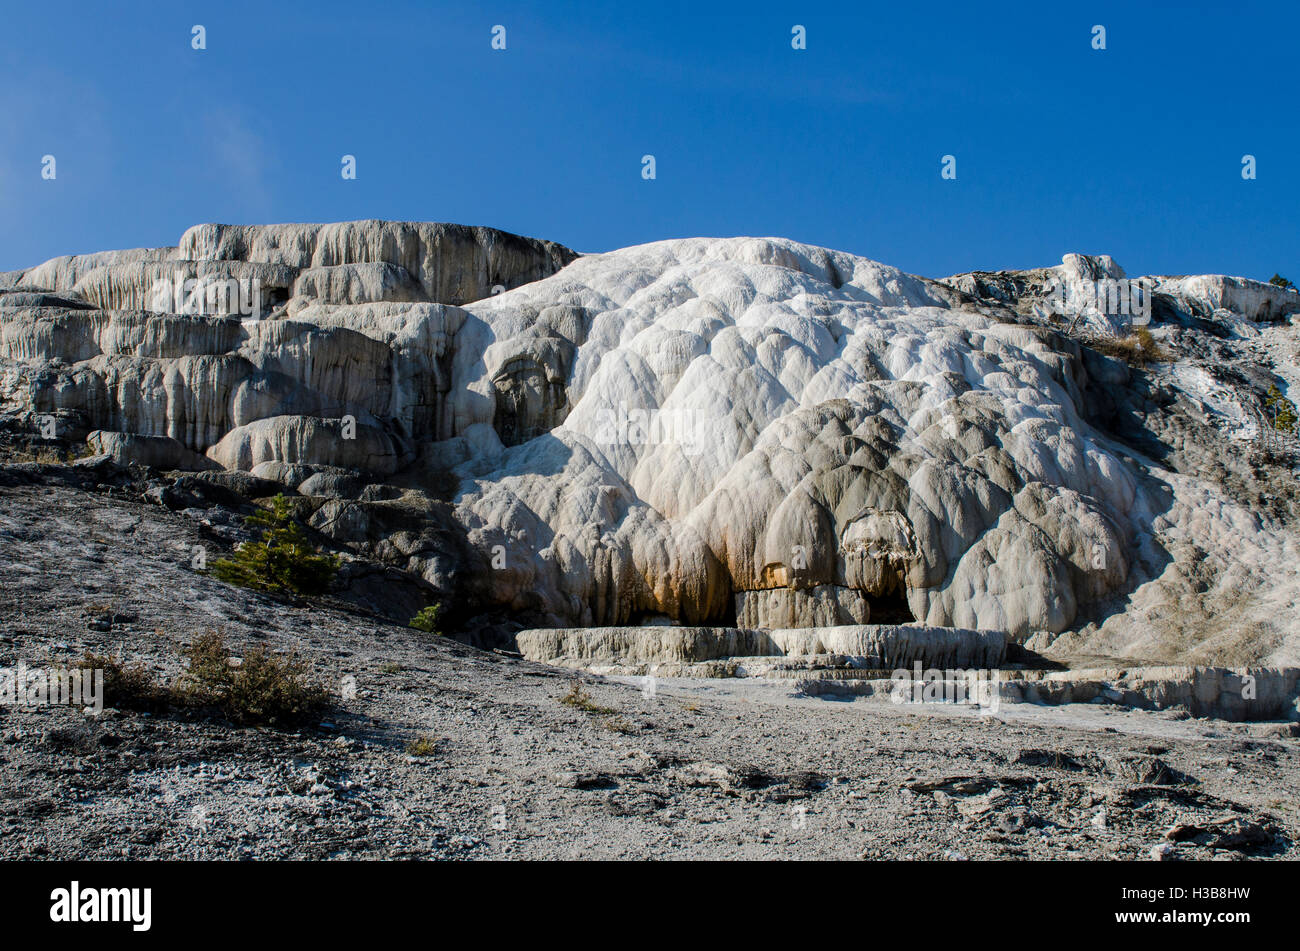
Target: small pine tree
[284, 560]
[1280, 281]
[427, 620]
[1282, 409]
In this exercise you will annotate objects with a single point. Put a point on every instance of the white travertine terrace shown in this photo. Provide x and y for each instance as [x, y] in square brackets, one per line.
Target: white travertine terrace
[743, 431]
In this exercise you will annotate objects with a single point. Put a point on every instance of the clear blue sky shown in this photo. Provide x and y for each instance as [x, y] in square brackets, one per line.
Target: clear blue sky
[1133, 151]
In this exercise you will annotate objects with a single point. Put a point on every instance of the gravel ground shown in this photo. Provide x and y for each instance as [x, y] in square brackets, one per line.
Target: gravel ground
[692, 769]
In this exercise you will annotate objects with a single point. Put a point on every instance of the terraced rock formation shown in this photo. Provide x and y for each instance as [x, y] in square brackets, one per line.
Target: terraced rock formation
[746, 433]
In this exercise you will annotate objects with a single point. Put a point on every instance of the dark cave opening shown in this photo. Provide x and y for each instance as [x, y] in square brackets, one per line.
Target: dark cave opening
[891, 608]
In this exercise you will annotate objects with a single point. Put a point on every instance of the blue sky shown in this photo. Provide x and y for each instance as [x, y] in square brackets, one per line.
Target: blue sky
[1134, 151]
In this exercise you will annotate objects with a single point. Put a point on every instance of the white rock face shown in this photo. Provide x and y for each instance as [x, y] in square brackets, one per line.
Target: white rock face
[308, 440]
[1254, 300]
[873, 647]
[717, 432]
[63, 273]
[357, 284]
[451, 263]
[159, 452]
[801, 432]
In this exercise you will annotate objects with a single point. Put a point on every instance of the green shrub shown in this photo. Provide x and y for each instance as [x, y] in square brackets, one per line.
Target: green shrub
[262, 690]
[580, 699]
[427, 619]
[283, 561]
[422, 746]
[1282, 410]
[1279, 281]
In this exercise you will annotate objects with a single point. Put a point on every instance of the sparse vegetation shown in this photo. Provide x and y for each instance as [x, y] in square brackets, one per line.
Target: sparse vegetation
[30, 447]
[261, 689]
[1136, 349]
[427, 619]
[580, 699]
[283, 561]
[127, 687]
[617, 725]
[42, 455]
[391, 668]
[1281, 410]
[1279, 281]
[422, 746]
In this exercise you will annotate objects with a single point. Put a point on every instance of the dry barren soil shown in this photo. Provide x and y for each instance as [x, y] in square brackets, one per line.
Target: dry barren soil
[690, 769]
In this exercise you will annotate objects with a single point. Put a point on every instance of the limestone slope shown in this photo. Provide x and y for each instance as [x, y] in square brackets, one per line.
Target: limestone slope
[710, 431]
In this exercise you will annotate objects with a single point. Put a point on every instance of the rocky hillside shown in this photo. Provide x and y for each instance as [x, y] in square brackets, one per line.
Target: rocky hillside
[441, 751]
[737, 432]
